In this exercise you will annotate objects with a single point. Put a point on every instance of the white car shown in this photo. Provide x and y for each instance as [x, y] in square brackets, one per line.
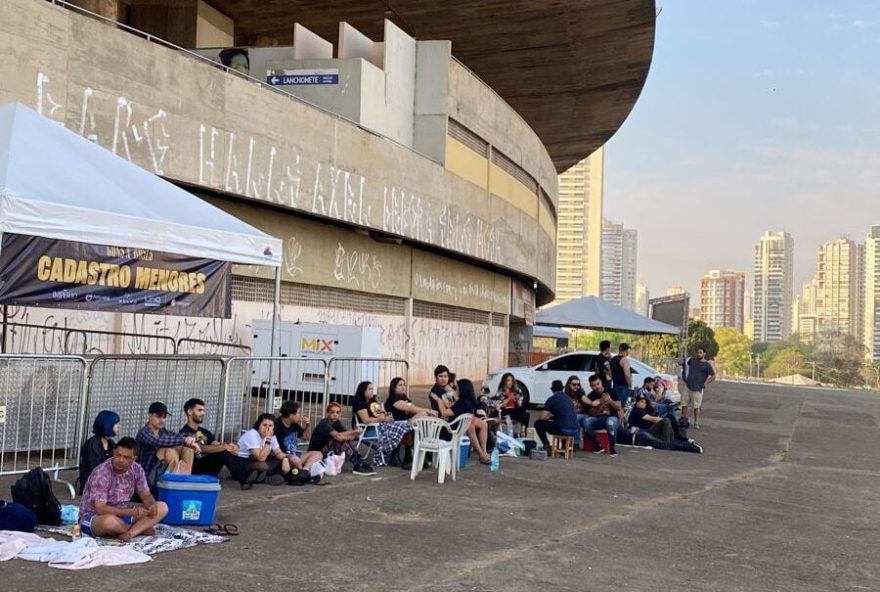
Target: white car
[535, 382]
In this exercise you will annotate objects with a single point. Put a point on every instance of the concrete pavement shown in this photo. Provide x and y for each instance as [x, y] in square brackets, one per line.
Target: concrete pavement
[784, 498]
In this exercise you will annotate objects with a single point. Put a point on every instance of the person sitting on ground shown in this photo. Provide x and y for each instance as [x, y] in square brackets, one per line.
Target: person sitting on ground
[367, 410]
[602, 411]
[261, 452]
[559, 416]
[214, 455]
[401, 409]
[106, 509]
[478, 430]
[647, 388]
[331, 436]
[156, 444]
[513, 403]
[656, 431]
[660, 400]
[99, 447]
[291, 427]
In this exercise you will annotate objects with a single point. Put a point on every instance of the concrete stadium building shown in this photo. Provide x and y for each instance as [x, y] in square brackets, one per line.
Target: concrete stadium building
[415, 192]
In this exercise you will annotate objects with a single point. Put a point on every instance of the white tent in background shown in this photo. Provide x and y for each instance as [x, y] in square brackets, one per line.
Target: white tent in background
[591, 312]
[56, 184]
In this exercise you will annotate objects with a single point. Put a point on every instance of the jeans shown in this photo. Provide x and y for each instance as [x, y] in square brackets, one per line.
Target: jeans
[645, 438]
[623, 394]
[548, 426]
[592, 423]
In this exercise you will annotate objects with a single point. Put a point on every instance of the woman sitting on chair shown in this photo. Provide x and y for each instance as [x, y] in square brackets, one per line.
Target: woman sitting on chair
[99, 447]
[367, 411]
[478, 431]
[401, 409]
[513, 403]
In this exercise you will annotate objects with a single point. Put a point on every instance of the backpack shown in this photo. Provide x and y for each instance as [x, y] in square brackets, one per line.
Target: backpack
[34, 492]
[14, 516]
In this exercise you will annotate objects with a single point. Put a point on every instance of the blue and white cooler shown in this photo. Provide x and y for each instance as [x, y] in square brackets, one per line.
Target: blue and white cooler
[191, 499]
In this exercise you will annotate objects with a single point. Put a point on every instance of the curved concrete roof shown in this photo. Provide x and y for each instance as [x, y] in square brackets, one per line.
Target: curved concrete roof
[572, 68]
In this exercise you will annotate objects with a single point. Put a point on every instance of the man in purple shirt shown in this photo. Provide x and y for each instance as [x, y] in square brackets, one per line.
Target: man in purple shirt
[106, 508]
[155, 443]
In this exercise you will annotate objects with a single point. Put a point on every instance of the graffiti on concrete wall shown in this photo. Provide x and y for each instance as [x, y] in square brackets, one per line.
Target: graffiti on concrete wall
[357, 268]
[259, 169]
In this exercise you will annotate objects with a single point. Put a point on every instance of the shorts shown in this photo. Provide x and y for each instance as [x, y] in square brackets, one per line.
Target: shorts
[688, 396]
[85, 524]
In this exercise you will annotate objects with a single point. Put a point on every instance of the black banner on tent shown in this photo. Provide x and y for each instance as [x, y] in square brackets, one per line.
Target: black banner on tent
[37, 271]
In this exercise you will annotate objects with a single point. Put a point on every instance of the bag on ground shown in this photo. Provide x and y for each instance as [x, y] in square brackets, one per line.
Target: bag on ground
[14, 516]
[34, 492]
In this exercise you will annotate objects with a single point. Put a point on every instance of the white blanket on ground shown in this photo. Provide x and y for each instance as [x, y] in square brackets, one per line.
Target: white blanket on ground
[167, 538]
[79, 554]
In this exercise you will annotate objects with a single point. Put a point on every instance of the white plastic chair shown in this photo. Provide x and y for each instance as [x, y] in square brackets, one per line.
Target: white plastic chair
[427, 432]
[459, 427]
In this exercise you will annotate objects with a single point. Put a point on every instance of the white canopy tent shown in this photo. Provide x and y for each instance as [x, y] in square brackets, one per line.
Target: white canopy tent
[56, 184]
[591, 312]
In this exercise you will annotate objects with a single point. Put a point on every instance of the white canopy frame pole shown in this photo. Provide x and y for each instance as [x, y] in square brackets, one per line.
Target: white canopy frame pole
[276, 312]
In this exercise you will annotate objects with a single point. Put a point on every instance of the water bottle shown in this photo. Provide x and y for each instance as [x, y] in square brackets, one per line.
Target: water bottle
[495, 462]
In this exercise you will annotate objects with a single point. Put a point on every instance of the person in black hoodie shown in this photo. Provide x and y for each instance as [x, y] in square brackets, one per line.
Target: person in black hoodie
[99, 447]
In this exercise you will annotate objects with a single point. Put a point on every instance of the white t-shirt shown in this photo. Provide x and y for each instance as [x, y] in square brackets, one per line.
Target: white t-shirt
[253, 439]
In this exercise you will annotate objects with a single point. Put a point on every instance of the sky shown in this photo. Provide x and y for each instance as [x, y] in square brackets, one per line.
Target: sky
[756, 115]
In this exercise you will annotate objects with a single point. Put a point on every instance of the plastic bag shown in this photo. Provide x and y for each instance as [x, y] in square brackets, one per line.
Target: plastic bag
[333, 464]
[507, 445]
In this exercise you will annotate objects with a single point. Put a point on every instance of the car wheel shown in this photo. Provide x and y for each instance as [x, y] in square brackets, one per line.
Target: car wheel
[526, 399]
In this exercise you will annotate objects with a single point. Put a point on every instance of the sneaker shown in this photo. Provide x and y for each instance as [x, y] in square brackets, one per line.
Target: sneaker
[364, 469]
[248, 482]
[691, 441]
[699, 449]
[613, 453]
[275, 480]
[599, 451]
[697, 426]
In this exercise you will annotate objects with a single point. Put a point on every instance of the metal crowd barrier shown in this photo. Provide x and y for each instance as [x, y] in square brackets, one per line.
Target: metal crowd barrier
[41, 413]
[249, 391]
[97, 342]
[345, 374]
[128, 384]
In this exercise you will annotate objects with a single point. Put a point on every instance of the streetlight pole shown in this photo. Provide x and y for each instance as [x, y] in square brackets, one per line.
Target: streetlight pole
[758, 358]
[751, 355]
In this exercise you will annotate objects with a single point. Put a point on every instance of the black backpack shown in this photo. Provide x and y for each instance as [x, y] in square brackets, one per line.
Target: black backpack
[34, 491]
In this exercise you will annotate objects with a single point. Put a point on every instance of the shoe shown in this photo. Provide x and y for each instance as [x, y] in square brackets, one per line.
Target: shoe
[248, 482]
[691, 441]
[599, 451]
[699, 449]
[697, 426]
[261, 477]
[275, 480]
[364, 469]
[613, 453]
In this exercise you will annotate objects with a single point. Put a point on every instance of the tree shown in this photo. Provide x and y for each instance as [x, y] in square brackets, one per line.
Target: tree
[787, 361]
[701, 335]
[839, 358]
[733, 351]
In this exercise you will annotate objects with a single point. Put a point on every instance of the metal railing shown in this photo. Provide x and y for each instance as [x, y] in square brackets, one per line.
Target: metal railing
[27, 338]
[47, 401]
[41, 413]
[187, 347]
[128, 384]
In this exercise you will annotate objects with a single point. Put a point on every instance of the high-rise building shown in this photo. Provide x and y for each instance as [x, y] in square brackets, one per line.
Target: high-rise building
[747, 306]
[579, 229]
[619, 264]
[675, 291]
[721, 299]
[643, 295]
[774, 271]
[804, 320]
[839, 285]
[871, 291]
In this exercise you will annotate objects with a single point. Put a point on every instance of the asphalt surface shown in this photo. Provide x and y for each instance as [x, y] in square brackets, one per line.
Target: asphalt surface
[784, 498]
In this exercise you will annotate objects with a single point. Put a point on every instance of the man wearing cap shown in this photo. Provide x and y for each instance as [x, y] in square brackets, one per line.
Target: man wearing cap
[559, 415]
[155, 444]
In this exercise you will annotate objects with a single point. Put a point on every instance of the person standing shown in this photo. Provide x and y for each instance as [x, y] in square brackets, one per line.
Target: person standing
[621, 375]
[698, 374]
[603, 365]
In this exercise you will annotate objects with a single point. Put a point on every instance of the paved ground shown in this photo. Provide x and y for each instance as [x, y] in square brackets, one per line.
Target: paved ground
[785, 498]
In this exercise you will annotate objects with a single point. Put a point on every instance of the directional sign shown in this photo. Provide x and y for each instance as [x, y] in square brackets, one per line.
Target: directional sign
[302, 77]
